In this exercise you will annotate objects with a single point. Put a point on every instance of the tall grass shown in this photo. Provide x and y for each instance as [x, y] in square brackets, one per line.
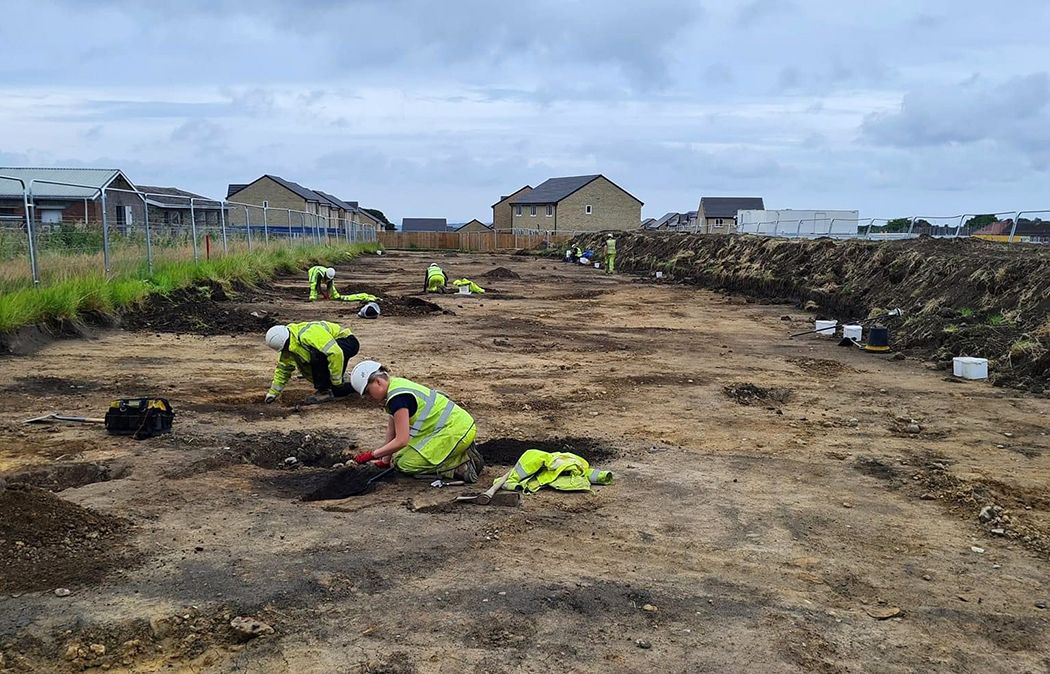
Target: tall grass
[88, 291]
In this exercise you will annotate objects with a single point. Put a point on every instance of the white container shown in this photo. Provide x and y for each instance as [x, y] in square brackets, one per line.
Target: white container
[597, 265]
[659, 274]
[970, 368]
[826, 328]
[853, 332]
[464, 290]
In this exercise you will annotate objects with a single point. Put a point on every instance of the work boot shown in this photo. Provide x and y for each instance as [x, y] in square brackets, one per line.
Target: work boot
[319, 397]
[472, 467]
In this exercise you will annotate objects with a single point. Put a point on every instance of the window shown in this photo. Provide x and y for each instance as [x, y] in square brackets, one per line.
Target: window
[532, 210]
[517, 210]
[588, 209]
[550, 210]
[718, 221]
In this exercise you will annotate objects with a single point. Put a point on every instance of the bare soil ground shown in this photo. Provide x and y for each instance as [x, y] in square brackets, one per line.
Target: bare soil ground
[779, 505]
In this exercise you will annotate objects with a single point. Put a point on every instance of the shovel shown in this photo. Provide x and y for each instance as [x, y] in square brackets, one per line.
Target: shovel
[55, 416]
[490, 497]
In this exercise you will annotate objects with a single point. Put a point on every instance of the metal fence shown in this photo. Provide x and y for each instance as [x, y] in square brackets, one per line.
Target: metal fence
[120, 231]
[474, 241]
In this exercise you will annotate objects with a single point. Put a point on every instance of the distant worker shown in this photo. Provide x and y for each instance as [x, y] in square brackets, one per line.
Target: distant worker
[319, 350]
[321, 281]
[436, 281]
[427, 434]
[577, 253]
[610, 255]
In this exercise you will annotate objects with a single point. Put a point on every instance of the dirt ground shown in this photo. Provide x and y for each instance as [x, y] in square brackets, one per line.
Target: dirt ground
[779, 505]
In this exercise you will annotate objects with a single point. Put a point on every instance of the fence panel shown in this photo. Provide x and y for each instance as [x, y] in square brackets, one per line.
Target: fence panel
[483, 242]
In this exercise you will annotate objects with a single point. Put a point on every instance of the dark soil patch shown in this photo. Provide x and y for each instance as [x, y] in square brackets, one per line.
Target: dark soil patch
[746, 393]
[201, 310]
[68, 475]
[407, 305]
[501, 273]
[346, 482]
[49, 386]
[506, 451]
[320, 448]
[820, 367]
[876, 468]
[47, 542]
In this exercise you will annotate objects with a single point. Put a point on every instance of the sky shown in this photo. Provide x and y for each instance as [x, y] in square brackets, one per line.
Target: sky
[435, 109]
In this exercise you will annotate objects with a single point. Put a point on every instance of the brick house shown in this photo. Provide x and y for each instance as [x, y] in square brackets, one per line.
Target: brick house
[502, 211]
[577, 204]
[278, 196]
[717, 215]
[171, 206]
[57, 204]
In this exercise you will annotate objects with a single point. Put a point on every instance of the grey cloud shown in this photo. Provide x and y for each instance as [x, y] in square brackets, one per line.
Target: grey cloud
[759, 10]
[200, 133]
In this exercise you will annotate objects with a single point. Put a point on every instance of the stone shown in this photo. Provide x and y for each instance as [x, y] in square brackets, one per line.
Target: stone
[978, 550]
[98, 650]
[927, 577]
[74, 651]
[649, 607]
[290, 461]
[62, 592]
[913, 428]
[1041, 605]
[160, 626]
[882, 612]
[246, 627]
[987, 514]
[898, 356]
[642, 643]
[1008, 435]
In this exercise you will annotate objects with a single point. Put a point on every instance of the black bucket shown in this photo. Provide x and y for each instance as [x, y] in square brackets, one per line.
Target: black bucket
[878, 339]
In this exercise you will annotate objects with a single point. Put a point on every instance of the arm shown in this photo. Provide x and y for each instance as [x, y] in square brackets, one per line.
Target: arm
[398, 428]
[335, 291]
[281, 374]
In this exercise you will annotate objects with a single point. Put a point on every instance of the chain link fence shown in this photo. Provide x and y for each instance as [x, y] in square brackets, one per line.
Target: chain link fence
[121, 232]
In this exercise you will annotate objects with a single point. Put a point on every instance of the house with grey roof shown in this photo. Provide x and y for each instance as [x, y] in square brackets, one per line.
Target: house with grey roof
[424, 225]
[576, 204]
[717, 215]
[503, 212]
[174, 207]
[287, 203]
[70, 195]
[473, 226]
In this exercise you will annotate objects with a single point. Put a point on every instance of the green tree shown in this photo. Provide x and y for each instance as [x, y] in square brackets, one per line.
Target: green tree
[378, 214]
[897, 225]
[979, 221]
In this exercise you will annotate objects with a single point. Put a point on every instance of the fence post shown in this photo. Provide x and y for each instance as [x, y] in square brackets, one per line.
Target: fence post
[266, 224]
[149, 235]
[222, 223]
[911, 225]
[798, 230]
[1013, 230]
[193, 231]
[34, 268]
[248, 224]
[105, 234]
[867, 234]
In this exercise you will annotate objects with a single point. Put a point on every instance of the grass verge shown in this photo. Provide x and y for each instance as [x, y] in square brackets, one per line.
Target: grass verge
[73, 297]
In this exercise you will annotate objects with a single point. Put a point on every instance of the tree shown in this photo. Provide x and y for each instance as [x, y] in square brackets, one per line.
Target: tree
[896, 225]
[378, 214]
[979, 221]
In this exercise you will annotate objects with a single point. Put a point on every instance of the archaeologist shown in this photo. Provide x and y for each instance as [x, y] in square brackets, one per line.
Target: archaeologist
[319, 350]
[427, 434]
[436, 281]
[321, 281]
[610, 255]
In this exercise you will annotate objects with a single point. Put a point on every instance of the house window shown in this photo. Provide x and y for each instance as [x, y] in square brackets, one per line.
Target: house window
[718, 221]
[588, 209]
[532, 210]
[517, 210]
[550, 210]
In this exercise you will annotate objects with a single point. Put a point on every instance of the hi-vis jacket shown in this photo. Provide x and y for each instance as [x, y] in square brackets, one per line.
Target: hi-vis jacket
[610, 246]
[438, 424]
[304, 337]
[536, 469]
[319, 279]
[435, 277]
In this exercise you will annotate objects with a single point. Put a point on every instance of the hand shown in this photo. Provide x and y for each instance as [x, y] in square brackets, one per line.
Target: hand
[364, 457]
[269, 398]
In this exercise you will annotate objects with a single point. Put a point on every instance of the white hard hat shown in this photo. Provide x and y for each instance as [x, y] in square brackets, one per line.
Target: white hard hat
[370, 310]
[361, 373]
[330, 273]
[277, 337]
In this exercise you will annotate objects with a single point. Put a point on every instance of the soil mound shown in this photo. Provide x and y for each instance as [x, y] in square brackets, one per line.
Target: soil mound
[501, 273]
[47, 542]
[746, 393]
[506, 451]
[961, 297]
[201, 310]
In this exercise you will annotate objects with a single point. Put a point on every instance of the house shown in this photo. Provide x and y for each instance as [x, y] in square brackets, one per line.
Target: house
[502, 211]
[717, 215]
[339, 210]
[474, 225]
[424, 225]
[54, 204]
[648, 223]
[576, 203]
[281, 198]
[172, 206]
[360, 216]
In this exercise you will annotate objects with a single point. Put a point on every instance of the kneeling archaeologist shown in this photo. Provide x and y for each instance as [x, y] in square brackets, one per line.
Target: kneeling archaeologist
[322, 281]
[427, 434]
[436, 281]
[319, 350]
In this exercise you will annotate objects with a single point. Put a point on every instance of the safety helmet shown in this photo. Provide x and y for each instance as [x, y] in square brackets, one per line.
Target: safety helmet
[370, 310]
[361, 373]
[277, 337]
[330, 273]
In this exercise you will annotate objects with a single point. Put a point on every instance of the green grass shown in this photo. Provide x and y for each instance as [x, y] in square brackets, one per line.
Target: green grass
[73, 297]
[966, 312]
[997, 320]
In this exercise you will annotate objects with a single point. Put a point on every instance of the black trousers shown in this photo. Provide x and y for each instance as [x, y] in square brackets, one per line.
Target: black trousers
[319, 366]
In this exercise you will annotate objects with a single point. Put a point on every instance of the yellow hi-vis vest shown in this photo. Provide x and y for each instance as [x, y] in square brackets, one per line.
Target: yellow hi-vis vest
[319, 278]
[536, 469]
[610, 246]
[438, 424]
[433, 273]
[319, 335]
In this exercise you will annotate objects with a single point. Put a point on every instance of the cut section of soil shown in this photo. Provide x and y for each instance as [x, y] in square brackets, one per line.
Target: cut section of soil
[320, 448]
[202, 310]
[61, 476]
[47, 542]
[746, 393]
[506, 451]
[345, 482]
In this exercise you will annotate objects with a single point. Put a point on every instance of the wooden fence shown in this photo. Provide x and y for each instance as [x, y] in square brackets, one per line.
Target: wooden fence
[484, 242]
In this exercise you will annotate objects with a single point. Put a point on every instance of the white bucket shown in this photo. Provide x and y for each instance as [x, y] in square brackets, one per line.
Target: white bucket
[826, 328]
[853, 332]
[597, 265]
[464, 290]
[584, 261]
[659, 274]
[970, 368]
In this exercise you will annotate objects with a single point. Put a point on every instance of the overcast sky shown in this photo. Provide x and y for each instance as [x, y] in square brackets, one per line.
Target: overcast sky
[430, 109]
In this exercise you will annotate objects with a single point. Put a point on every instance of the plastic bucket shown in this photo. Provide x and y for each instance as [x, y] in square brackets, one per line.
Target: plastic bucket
[825, 328]
[853, 332]
[970, 368]
[597, 265]
[464, 290]
[659, 274]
